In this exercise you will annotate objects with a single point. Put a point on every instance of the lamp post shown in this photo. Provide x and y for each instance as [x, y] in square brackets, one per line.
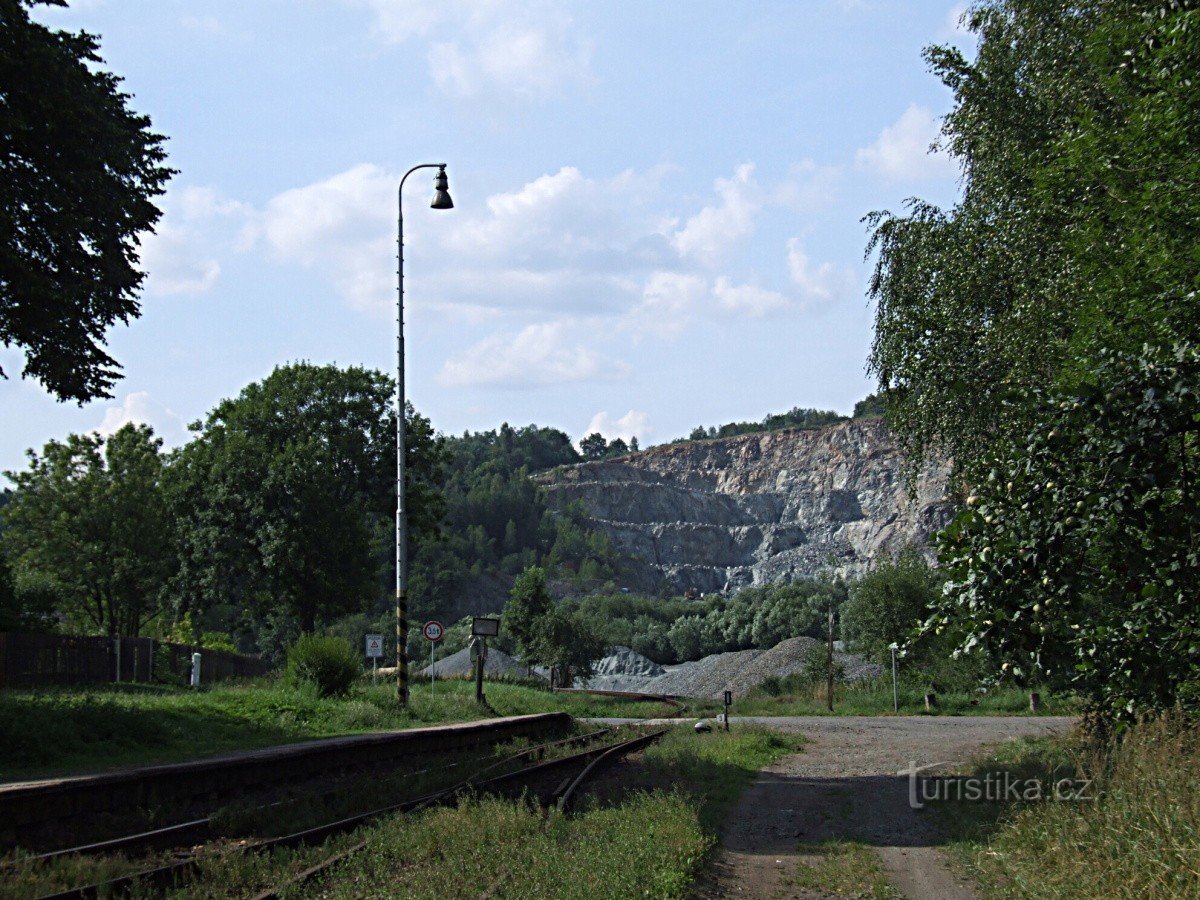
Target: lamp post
[441, 200]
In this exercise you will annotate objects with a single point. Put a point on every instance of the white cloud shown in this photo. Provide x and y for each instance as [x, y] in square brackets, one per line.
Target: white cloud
[567, 217]
[817, 284]
[342, 226]
[709, 235]
[140, 408]
[523, 49]
[749, 299]
[179, 257]
[669, 301]
[809, 187]
[561, 241]
[634, 424]
[902, 152]
[560, 247]
[540, 354]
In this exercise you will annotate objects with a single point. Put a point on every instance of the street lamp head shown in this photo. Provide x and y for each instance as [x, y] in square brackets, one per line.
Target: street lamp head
[441, 197]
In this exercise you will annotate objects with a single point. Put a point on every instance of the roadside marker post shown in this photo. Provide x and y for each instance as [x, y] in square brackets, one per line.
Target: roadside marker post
[728, 703]
[374, 652]
[895, 689]
[433, 632]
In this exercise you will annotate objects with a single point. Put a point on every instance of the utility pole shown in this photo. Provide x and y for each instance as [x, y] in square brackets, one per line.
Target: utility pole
[829, 660]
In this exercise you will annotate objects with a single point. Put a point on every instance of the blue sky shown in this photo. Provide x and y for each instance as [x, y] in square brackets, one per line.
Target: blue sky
[657, 219]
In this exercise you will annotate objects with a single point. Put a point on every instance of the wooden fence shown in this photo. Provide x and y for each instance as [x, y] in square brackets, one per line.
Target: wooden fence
[29, 660]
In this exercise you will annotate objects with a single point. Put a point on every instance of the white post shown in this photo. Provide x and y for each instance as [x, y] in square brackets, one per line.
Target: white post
[895, 690]
[195, 670]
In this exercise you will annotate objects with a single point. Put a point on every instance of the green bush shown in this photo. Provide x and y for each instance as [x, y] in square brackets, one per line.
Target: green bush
[328, 663]
[772, 686]
[816, 665]
[161, 669]
[218, 640]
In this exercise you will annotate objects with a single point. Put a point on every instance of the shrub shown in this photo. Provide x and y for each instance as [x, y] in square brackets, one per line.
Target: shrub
[162, 669]
[328, 663]
[772, 686]
[816, 665]
[888, 604]
[218, 640]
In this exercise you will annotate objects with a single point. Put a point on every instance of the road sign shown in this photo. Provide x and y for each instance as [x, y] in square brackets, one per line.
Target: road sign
[729, 698]
[374, 646]
[433, 631]
[485, 626]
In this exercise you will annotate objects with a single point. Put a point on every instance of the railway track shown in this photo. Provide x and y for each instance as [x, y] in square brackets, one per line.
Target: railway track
[534, 774]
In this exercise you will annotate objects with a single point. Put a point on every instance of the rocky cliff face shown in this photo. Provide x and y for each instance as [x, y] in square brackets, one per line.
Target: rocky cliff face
[775, 506]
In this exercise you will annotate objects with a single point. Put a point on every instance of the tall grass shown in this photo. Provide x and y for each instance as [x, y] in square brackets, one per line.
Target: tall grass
[1139, 837]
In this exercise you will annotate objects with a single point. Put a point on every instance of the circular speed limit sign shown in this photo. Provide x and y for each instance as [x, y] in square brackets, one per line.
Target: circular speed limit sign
[433, 631]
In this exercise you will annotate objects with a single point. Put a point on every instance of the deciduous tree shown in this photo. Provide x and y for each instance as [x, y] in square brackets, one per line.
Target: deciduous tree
[79, 171]
[89, 524]
[286, 494]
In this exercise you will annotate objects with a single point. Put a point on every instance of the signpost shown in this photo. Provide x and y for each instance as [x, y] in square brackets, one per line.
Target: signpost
[433, 632]
[374, 652]
[728, 703]
[482, 628]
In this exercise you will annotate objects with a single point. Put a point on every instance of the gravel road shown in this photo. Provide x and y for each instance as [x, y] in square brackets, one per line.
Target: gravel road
[845, 784]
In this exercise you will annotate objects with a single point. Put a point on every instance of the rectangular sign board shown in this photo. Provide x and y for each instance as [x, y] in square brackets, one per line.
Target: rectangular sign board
[374, 646]
[484, 626]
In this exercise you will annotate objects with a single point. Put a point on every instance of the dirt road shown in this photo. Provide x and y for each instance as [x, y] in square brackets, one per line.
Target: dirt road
[846, 784]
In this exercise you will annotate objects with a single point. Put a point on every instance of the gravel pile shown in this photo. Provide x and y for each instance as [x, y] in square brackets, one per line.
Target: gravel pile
[498, 663]
[740, 671]
[623, 661]
[857, 668]
[709, 677]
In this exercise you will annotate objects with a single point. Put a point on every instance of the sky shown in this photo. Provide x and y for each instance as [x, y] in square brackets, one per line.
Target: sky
[658, 206]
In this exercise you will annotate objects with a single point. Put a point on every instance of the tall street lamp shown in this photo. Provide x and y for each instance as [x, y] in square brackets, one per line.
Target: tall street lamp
[441, 200]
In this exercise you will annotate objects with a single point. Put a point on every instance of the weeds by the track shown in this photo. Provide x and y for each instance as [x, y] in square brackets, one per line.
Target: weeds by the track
[648, 841]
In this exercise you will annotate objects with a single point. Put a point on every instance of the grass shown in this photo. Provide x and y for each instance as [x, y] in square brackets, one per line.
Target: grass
[1138, 837]
[59, 731]
[648, 841]
[794, 696]
[843, 869]
[651, 841]
[714, 768]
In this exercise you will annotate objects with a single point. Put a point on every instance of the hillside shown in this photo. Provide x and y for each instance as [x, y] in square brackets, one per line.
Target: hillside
[755, 508]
